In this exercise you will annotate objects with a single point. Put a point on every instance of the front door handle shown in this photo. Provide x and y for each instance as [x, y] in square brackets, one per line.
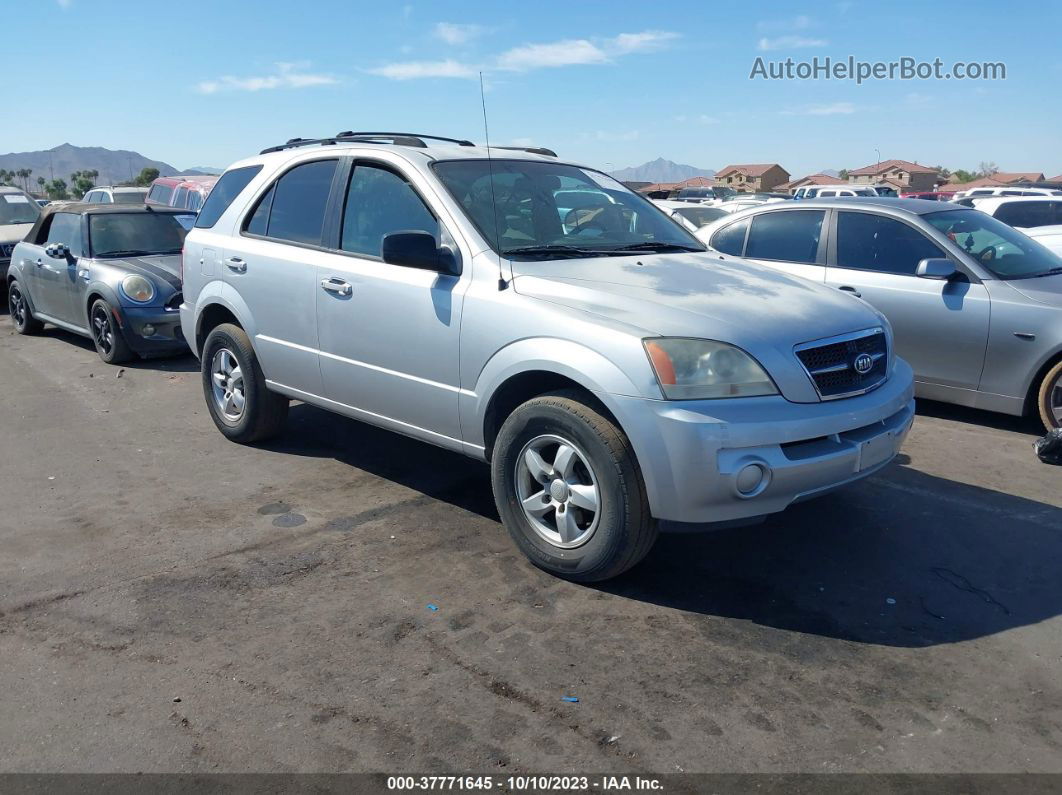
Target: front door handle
[236, 265]
[337, 286]
[851, 290]
[40, 262]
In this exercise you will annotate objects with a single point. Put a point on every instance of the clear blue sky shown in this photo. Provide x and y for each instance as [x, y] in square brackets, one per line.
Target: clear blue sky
[198, 82]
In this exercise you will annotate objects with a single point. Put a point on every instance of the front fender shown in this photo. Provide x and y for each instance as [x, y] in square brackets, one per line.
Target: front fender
[581, 364]
[104, 291]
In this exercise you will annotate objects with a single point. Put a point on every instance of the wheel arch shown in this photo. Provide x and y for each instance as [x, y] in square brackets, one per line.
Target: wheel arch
[214, 306]
[1033, 392]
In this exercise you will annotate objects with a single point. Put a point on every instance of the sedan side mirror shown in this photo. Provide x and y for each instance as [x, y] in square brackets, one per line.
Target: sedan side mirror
[418, 249]
[940, 269]
[57, 251]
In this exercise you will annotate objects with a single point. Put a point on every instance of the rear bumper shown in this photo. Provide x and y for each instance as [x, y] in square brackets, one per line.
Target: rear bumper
[721, 461]
[153, 330]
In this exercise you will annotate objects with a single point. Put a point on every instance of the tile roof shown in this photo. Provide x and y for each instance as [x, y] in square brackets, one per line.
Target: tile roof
[749, 169]
[888, 165]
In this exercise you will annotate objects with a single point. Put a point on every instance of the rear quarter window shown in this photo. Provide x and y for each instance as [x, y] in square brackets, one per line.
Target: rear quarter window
[224, 193]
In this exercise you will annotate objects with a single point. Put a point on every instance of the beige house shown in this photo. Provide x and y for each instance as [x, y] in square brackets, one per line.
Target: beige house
[753, 177]
[997, 180]
[901, 174]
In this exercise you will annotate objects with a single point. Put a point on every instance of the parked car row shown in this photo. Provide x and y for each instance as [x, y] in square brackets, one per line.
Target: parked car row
[618, 375]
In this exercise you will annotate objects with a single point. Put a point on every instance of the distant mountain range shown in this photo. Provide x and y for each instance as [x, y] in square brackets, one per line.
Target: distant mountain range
[114, 165]
[661, 170]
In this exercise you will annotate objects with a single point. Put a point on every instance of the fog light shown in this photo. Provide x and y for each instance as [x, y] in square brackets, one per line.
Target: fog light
[751, 480]
[148, 330]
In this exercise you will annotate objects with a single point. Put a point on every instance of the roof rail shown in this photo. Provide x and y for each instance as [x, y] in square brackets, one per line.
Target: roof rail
[535, 150]
[291, 143]
[401, 138]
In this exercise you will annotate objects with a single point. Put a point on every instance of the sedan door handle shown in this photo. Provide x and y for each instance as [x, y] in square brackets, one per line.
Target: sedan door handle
[237, 265]
[851, 290]
[337, 286]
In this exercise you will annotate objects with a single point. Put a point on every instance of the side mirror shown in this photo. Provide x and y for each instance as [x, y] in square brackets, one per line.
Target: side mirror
[57, 251]
[417, 249]
[940, 269]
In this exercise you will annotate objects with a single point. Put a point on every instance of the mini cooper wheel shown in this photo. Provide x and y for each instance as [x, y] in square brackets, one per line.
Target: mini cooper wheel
[569, 489]
[240, 404]
[1049, 398]
[106, 335]
[21, 314]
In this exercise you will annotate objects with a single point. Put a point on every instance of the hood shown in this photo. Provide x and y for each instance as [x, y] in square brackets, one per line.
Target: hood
[14, 233]
[699, 295]
[1045, 289]
[162, 268]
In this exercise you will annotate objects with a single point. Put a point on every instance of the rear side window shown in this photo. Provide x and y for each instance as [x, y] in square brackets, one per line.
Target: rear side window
[1029, 214]
[380, 202]
[876, 243]
[294, 208]
[731, 239]
[182, 198]
[786, 236]
[224, 193]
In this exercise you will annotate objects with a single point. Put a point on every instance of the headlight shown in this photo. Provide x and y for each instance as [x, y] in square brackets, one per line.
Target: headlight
[137, 288]
[691, 369]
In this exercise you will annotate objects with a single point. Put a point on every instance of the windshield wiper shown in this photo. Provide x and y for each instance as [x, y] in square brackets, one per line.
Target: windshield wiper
[545, 251]
[650, 246]
[1052, 272]
[132, 252]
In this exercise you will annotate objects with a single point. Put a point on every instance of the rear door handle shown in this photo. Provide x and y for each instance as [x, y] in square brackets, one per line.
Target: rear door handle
[337, 286]
[851, 290]
[237, 265]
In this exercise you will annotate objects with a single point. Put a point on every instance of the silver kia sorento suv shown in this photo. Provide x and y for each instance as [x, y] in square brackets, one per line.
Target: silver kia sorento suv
[539, 316]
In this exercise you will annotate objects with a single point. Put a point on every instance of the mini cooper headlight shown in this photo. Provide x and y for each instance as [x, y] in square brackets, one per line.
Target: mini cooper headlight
[692, 369]
[137, 288]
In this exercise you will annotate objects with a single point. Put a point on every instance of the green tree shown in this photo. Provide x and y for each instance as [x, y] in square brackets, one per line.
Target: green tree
[962, 175]
[56, 189]
[146, 177]
[945, 174]
[987, 168]
[81, 182]
[5, 176]
[843, 175]
[24, 175]
[40, 183]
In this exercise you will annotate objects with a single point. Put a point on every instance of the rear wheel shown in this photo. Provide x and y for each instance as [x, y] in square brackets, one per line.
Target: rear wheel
[21, 315]
[240, 404]
[1049, 399]
[107, 336]
[569, 490]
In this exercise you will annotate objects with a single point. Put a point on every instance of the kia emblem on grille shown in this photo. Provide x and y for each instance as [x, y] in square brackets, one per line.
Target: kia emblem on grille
[863, 363]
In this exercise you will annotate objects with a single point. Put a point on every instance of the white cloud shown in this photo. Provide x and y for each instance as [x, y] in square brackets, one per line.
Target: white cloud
[412, 70]
[789, 43]
[788, 23]
[453, 33]
[288, 75]
[704, 118]
[833, 109]
[569, 52]
[646, 41]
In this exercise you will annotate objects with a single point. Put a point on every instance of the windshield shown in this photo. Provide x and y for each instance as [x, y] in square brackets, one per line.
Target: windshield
[18, 208]
[137, 234]
[1005, 251]
[552, 210]
[699, 216]
[129, 197]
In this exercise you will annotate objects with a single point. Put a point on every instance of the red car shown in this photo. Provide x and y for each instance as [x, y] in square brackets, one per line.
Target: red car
[184, 192]
[932, 195]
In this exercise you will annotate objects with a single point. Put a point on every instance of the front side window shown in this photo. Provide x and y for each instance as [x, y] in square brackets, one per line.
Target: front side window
[731, 239]
[786, 236]
[380, 202]
[1005, 251]
[293, 209]
[877, 243]
[530, 209]
[66, 229]
[137, 234]
[225, 191]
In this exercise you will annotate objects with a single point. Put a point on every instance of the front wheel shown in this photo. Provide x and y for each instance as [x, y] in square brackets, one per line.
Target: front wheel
[1049, 398]
[240, 404]
[110, 344]
[569, 489]
[19, 309]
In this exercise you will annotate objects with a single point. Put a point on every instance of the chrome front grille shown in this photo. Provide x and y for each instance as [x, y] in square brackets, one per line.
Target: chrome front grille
[850, 364]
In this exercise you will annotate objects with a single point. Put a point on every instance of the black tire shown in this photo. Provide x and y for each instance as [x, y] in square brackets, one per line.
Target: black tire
[1047, 396]
[21, 315]
[263, 413]
[107, 335]
[625, 530]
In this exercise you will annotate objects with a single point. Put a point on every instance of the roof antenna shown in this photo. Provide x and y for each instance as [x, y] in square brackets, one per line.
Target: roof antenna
[502, 284]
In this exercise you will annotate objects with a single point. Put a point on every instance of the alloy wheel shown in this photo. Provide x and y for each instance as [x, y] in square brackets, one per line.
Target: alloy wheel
[226, 382]
[1054, 401]
[102, 329]
[16, 305]
[558, 491]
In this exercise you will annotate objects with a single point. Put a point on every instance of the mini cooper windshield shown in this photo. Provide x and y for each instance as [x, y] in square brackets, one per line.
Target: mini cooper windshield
[137, 234]
[537, 210]
[1002, 249]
